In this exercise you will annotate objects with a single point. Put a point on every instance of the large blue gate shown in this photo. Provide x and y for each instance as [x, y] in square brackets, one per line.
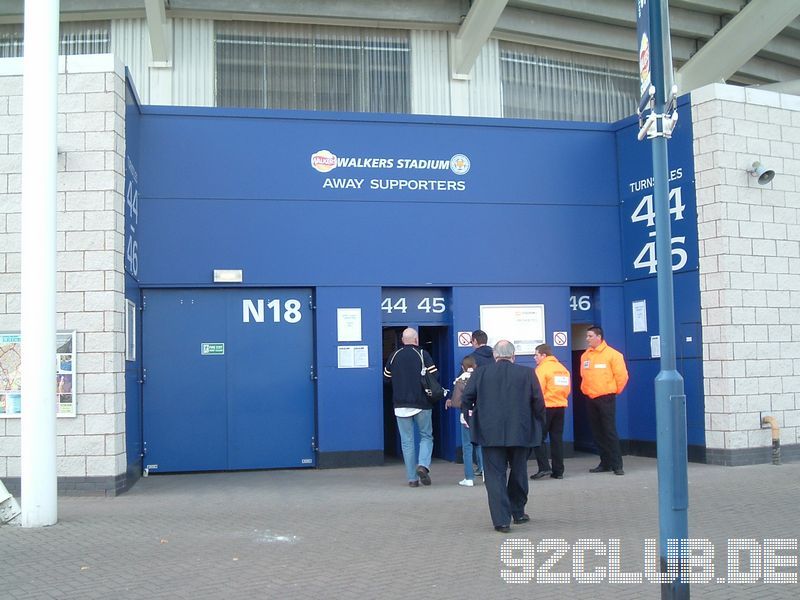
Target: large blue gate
[228, 379]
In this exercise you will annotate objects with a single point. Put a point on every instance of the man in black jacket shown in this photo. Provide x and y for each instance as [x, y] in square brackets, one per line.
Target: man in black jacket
[507, 421]
[411, 406]
[482, 353]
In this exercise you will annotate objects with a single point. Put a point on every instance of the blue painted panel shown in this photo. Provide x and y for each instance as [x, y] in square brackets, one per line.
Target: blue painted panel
[466, 315]
[133, 397]
[641, 394]
[198, 153]
[185, 408]
[581, 303]
[350, 407]
[251, 406]
[270, 392]
[636, 195]
[688, 343]
[212, 175]
[415, 305]
[293, 243]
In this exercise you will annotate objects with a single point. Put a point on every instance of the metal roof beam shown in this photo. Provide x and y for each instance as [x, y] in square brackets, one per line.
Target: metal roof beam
[472, 35]
[784, 87]
[736, 43]
[157, 28]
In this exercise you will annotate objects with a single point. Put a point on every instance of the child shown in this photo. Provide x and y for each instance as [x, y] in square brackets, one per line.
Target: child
[467, 367]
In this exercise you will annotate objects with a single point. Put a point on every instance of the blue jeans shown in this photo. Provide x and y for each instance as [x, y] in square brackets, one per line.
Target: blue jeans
[468, 447]
[405, 425]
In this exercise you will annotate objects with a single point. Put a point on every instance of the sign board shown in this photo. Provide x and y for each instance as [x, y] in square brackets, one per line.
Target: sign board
[560, 339]
[464, 339]
[521, 324]
[643, 40]
[212, 348]
[353, 357]
[11, 383]
[348, 324]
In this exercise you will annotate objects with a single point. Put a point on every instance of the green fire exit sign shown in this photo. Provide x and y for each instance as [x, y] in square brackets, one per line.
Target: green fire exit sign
[212, 349]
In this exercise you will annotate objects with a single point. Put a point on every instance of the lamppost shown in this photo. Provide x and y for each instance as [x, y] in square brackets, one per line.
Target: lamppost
[657, 117]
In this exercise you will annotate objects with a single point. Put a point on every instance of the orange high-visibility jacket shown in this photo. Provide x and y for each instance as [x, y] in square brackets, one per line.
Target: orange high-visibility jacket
[603, 371]
[555, 381]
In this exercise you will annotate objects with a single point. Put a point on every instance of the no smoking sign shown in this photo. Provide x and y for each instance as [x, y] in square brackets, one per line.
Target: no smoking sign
[464, 339]
[560, 339]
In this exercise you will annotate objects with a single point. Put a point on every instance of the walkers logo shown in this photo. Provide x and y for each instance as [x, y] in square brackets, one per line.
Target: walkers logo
[323, 161]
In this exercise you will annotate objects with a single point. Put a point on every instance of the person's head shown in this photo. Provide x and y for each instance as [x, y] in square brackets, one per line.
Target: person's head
[594, 336]
[410, 337]
[503, 350]
[479, 338]
[468, 364]
[541, 352]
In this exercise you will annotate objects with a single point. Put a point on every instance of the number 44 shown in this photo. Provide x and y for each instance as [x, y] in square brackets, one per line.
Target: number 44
[644, 211]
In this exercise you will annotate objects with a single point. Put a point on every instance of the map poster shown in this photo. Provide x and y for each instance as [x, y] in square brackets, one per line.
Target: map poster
[11, 384]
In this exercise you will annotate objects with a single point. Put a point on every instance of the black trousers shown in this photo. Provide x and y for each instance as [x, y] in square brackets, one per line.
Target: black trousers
[507, 492]
[554, 427]
[603, 421]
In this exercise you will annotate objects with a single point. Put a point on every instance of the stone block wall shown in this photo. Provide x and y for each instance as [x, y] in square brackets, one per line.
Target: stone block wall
[749, 239]
[90, 278]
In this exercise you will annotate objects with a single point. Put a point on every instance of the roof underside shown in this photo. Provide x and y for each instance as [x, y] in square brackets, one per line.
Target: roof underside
[755, 42]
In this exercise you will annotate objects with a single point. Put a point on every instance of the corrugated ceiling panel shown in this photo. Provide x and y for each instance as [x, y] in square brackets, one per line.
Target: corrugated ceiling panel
[430, 91]
[130, 41]
[193, 60]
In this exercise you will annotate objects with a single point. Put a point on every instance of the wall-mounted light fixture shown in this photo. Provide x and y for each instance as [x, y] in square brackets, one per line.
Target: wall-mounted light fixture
[227, 276]
[764, 175]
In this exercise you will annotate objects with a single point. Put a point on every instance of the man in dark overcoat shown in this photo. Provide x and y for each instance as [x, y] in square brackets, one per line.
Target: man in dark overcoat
[508, 418]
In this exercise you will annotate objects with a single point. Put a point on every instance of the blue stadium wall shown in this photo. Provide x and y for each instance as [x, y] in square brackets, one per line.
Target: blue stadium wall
[531, 212]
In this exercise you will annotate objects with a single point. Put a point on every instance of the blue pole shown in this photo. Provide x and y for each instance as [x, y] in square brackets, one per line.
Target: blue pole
[673, 492]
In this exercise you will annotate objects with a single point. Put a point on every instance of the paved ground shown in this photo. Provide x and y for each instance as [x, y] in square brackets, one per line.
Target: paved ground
[362, 534]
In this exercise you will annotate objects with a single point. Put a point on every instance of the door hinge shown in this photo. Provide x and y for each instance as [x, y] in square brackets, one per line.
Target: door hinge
[314, 443]
[312, 373]
[311, 304]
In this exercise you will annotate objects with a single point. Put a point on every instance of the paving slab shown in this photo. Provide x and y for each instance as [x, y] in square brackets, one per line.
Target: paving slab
[362, 533]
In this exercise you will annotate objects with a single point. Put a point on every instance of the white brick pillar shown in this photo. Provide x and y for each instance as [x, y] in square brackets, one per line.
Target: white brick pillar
[749, 240]
[90, 278]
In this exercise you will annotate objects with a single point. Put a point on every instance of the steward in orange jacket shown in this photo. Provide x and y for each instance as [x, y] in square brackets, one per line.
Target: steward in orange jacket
[554, 380]
[603, 371]
[603, 376]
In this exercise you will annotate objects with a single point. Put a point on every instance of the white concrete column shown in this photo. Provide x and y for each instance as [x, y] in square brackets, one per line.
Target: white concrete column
[38, 277]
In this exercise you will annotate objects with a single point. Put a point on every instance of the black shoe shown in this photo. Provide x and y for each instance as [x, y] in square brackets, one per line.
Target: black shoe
[619, 472]
[523, 519]
[554, 476]
[413, 484]
[599, 469]
[540, 474]
[502, 528]
[424, 475]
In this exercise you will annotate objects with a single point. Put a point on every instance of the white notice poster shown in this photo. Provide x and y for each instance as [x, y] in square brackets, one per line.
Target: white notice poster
[348, 324]
[655, 346]
[353, 357]
[521, 324]
[639, 315]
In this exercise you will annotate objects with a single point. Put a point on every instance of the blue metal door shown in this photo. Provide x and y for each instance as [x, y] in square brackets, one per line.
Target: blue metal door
[228, 379]
[270, 379]
[184, 422]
